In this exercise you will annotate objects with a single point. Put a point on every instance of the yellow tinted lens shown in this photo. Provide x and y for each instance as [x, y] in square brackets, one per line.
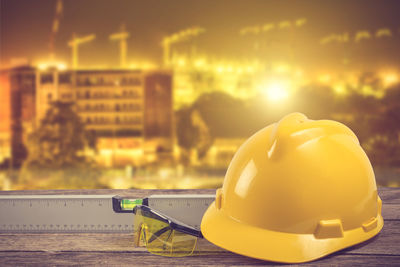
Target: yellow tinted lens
[161, 239]
[158, 237]
[182, 244]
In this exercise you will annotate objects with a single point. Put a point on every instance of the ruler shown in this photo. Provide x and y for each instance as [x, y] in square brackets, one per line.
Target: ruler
[90, 213]
[61, 213]
[188, 209]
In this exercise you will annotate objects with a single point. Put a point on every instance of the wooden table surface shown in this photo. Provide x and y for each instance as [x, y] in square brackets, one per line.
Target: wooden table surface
[117, 249]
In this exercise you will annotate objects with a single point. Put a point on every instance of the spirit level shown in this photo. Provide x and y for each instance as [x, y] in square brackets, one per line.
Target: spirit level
[188, 209]
[91, 213]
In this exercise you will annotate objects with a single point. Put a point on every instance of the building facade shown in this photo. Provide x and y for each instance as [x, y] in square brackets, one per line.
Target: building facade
[128, 111]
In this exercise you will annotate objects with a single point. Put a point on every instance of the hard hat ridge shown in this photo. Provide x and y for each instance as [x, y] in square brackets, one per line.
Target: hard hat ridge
[295, 129]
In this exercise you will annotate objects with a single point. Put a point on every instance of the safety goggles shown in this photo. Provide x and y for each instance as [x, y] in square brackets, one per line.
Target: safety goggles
[161, 234]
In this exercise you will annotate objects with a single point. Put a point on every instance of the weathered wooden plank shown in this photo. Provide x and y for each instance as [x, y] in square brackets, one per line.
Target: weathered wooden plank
[391, 211]
[145, 259]
[389, 195]
[386, 243]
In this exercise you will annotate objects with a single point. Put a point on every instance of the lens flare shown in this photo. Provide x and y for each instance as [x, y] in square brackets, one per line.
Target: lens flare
[276, 91]
[389, 79]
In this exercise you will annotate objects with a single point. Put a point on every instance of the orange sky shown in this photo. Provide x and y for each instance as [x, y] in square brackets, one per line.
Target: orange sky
[26, 27]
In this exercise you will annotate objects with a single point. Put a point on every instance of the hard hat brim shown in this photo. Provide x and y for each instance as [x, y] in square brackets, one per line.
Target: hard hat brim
[247, 240]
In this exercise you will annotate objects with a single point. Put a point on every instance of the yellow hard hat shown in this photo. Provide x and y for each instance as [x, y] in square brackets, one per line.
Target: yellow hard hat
[295, 191]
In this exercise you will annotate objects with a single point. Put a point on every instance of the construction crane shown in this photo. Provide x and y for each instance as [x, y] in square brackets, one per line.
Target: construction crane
[123, 46]
[177, 38]
[55, 27]
[74, 43]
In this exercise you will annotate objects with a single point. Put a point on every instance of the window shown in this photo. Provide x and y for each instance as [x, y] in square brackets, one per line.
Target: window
[46, 78]
[66, 96]
[134, 81]
[64, 78]
[93, 80]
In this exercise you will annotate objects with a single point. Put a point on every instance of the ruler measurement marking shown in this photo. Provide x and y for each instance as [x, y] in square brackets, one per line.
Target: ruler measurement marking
[79, 212]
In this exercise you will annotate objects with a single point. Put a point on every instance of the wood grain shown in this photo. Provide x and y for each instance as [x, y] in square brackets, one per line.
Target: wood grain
[145, 259]
[117, 249]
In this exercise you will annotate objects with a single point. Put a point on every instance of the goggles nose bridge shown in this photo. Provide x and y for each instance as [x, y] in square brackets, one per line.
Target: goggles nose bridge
[140, 238]
[143, 234]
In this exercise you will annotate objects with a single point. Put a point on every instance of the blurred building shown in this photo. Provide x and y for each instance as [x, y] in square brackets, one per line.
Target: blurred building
[5, 110]
[222, 151]
[128, 111]
[192, 78]
[18, 112]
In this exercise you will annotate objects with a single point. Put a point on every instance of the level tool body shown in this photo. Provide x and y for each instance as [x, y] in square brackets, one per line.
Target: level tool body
[91, 213]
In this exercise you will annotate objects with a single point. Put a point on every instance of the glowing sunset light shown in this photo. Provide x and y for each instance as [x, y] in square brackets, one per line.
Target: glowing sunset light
[277, 91]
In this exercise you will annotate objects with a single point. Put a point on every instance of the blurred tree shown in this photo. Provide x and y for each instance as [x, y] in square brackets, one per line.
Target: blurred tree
[383, 146]
[392, 97]
[187, 133]
[56, 150]
[205, 140]
[316, 102]
[375, 121]
[383, 150]
[193, 133]
[359, 104]
[91, 137]
[224, 115]
[361, 111]
[59, 139]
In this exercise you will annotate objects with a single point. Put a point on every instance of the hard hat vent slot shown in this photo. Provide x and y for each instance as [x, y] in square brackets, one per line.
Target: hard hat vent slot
[370, 224]
[329, 229]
